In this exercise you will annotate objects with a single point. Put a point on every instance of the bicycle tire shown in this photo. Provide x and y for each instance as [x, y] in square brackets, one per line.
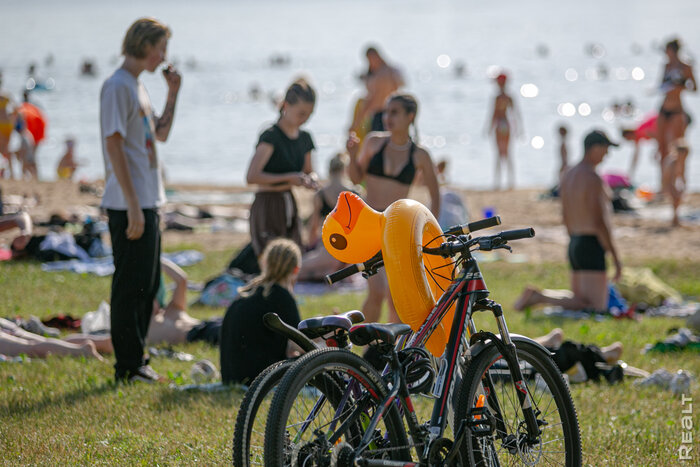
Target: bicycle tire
[248, 424]
[330, 372]
[560, 435]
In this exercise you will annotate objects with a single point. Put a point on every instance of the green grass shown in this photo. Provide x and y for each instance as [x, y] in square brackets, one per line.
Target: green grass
[67, 411]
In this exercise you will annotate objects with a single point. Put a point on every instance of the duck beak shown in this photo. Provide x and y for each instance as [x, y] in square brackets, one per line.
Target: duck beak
[347, 210]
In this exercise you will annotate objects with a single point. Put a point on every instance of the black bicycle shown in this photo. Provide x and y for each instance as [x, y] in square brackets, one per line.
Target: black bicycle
[248, 435]
[504, 397]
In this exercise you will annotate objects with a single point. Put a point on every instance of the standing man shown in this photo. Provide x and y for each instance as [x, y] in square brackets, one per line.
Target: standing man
[381, 80]
[134, 190]
[586, 212]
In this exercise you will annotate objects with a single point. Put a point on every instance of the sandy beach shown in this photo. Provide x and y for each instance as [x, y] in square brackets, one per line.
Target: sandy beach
[642, 234]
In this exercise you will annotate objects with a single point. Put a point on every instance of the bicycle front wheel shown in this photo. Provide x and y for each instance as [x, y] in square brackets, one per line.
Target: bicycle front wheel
[506, 441]
[322, 409]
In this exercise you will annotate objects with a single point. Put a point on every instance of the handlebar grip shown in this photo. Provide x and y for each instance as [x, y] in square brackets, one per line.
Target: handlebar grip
[517, 234]
[343, 273]
[274, 323]
[483, 224]
[464, 229]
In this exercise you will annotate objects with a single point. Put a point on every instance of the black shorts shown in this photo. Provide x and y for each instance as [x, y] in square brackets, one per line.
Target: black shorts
[207, 331]
[586, 253]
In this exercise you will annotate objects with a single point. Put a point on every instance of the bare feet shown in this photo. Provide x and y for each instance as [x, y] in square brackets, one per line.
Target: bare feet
[553, 339]
[526, 299]
[613, 352]
[88, 349]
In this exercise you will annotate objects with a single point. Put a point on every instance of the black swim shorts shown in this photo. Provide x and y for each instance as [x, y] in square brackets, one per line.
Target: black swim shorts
[586, 253]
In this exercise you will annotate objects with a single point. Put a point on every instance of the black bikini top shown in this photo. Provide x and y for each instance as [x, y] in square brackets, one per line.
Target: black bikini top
[407, 174]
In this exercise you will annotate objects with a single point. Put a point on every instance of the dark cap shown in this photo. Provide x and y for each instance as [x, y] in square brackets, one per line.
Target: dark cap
[597, 137]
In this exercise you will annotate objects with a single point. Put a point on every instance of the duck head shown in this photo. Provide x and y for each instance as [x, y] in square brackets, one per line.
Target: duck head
[352, 232]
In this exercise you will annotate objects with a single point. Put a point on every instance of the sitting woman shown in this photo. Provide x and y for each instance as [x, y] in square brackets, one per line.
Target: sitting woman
[247, 345]
[318, 262]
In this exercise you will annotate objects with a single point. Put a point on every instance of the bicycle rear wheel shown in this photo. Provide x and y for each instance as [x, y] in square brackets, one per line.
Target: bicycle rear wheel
[559, 442]
[249, 434]
[321, 410]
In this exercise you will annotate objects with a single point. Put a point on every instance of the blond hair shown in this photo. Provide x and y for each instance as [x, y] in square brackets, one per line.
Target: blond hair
[278, 261]
[144, 31]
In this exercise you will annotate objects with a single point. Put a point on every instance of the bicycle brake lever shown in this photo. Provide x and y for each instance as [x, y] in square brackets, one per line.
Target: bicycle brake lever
[505, 247]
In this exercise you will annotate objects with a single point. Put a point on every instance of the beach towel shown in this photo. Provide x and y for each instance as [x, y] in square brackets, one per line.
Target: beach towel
[105, 266]
[641, 285]
[220, 291]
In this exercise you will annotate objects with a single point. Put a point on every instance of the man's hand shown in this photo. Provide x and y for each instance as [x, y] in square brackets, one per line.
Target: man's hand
[136, 222]
[618, 271]
[172, 78]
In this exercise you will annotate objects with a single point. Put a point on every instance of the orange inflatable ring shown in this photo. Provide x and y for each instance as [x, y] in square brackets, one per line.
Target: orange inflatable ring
[408, 227]
[353, 232]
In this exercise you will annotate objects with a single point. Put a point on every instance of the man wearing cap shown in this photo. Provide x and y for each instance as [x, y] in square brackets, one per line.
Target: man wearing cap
[586, 214]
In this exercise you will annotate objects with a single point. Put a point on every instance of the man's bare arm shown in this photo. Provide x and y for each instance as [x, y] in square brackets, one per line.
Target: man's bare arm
[602, 213]
[165, 121]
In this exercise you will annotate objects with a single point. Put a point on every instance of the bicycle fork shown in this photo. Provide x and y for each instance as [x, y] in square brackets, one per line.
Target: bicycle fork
[507, 348]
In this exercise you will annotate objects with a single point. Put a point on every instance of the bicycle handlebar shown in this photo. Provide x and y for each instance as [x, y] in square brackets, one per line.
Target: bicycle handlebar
[464, 229]
[464, 243]
[354, 269]
[446, 249]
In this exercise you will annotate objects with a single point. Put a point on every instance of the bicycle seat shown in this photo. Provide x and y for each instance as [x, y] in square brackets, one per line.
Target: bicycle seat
[320, 326]
[363, 334]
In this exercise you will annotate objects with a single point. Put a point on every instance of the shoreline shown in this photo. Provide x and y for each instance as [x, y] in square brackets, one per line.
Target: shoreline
[643, 234]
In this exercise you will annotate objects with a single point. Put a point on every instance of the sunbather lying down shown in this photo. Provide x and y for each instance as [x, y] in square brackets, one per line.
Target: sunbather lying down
[169, 325]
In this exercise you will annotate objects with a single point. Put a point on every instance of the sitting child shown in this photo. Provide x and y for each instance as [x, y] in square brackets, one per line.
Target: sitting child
[247, 345]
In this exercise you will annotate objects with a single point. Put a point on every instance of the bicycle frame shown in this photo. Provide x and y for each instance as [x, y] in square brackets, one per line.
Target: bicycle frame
[469, 291]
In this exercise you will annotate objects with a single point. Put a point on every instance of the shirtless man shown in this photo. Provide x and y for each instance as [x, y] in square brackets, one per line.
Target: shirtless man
[381, 81]
[586, 212]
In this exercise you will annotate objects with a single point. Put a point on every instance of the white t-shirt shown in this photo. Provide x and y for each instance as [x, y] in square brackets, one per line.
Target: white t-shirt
[125, 108]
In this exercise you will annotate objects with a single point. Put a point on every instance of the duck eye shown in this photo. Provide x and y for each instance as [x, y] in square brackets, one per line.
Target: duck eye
[338, 242]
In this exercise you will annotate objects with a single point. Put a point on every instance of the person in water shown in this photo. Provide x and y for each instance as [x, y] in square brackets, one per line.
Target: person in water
[388, 162]
[505, 121]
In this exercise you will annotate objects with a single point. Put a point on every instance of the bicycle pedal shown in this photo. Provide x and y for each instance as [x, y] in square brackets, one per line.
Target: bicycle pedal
[480, 422]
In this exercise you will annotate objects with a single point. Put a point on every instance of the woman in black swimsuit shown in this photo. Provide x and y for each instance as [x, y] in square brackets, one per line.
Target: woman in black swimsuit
[677, 77]
[388, 163]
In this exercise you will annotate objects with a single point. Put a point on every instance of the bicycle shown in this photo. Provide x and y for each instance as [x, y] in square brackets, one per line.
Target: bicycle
[247, 447]
[499, 416]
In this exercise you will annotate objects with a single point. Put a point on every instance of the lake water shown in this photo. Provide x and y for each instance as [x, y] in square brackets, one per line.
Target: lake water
[587, 54]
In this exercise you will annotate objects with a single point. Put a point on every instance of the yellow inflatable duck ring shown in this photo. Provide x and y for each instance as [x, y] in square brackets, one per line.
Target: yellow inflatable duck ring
[353, 233]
